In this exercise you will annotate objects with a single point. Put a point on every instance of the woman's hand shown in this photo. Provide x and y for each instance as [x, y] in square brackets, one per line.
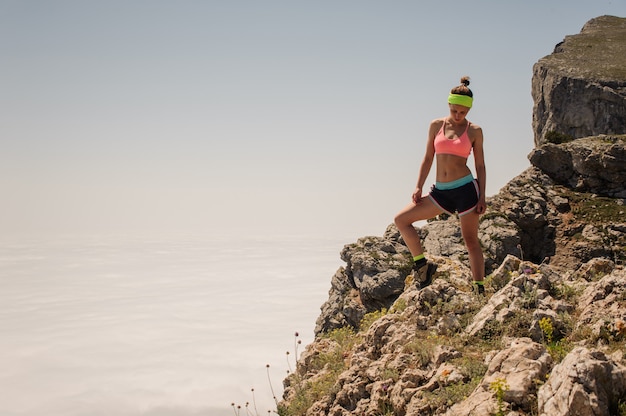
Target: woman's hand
[417, 196]
[481, 207]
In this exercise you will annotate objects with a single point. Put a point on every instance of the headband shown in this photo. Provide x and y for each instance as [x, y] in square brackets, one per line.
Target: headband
[464, 100]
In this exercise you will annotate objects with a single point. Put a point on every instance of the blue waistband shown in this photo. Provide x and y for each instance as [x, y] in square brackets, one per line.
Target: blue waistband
[443, 186]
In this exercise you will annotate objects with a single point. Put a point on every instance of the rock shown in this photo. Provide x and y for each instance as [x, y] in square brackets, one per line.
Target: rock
[593, 164]
[481, 402]
[343, 307]
[517, 367]
[602, 307]
[443, 238]
[580, 89]
[513, 300]
[596, 268]
[420, 356]
[499, 237]
[567, 235]
[526, 202]
[587, 382]
[372, 279]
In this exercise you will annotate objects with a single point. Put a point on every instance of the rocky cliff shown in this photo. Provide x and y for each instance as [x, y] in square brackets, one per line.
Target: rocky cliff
[580, 89]
[548, 338]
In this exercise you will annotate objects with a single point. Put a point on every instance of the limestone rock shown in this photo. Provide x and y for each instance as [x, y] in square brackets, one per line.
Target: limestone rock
[603, 305]
[580, 89]
[420, 356]
[517, 367]
[562, 225]
[587, 382]
[443, 238]
[594, 164]
[372, 279]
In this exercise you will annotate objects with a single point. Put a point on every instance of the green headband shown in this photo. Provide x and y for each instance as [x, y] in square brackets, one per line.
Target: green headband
[464, 100]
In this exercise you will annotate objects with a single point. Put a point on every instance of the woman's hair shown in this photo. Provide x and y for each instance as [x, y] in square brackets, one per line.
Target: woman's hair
[463, 88]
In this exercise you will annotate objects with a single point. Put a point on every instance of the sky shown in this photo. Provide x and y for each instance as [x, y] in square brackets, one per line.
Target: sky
[256, 117]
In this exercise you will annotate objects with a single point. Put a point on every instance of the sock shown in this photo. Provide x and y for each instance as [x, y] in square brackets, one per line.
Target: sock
[419, 261]
[479, 282]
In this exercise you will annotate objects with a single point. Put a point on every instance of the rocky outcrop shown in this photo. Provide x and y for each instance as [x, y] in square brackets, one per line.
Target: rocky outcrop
[533, 218]
[514, 370]
[580, 89]
[543, 341]
[373, 278]
[558, 224]
[595, 165]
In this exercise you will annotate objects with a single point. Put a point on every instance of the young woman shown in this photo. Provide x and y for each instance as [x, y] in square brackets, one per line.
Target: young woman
[450, 140]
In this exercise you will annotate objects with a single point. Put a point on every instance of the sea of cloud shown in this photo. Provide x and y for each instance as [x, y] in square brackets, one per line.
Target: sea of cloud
[156, 326]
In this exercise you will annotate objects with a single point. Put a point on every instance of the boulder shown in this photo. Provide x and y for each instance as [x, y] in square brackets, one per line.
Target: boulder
[585, 383]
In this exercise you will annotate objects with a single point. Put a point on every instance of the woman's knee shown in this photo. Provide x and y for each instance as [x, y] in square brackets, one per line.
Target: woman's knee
[473, 244]
[402, 219]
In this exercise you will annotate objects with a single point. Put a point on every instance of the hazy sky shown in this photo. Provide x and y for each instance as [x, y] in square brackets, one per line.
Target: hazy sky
[284, 117]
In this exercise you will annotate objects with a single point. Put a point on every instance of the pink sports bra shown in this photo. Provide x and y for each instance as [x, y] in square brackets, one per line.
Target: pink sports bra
[461, 146]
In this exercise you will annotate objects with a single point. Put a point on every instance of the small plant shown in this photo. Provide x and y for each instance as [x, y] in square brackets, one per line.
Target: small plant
[384, 406]
[328, 364]
[557, 138]
[422, 348]
[529, 297]
[390, 373]
[251, 408]
[492, 331]
[499, 387]
[547, 329]
[399, 306]
[472, 367]
[296, 342]
[558, 349]
[565, 292]
[445, 396]
[370, 318]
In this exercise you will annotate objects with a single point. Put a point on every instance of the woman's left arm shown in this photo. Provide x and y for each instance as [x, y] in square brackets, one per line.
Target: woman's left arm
[481, 172]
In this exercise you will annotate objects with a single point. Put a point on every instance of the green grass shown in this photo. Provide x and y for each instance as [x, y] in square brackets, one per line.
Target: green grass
[594, 54]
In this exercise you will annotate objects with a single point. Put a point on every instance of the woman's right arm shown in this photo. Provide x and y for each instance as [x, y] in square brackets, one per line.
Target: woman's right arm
[427, 162]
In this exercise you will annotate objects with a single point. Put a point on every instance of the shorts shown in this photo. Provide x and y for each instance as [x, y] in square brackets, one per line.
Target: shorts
[457, 196]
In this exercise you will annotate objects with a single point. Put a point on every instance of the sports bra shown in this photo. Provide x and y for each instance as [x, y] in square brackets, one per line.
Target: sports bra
[461, 146]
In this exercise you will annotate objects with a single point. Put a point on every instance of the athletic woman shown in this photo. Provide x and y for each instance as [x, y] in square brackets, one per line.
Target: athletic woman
[451, 139]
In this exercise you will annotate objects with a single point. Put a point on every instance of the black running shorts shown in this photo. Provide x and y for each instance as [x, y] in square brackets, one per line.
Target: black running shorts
[462, 199]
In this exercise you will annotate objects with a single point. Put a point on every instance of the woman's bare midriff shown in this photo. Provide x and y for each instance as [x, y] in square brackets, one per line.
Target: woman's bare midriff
[451, 168]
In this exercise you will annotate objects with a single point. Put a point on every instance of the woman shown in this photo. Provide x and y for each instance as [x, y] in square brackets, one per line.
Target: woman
[451, 140]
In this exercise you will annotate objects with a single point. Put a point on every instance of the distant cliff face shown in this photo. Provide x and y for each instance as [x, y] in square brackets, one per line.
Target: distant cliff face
[580, 89]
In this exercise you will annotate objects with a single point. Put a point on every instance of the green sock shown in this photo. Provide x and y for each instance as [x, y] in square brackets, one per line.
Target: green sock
[479, 282]
[419, 261]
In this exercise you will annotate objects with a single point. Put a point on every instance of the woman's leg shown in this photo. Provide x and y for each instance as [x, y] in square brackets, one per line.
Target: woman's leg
[404, 220]
[469, 230]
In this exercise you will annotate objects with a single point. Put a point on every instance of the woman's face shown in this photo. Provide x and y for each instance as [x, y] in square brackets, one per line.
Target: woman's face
[458, 112]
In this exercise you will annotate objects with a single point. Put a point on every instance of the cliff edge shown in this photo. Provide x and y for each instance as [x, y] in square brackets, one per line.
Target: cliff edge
[580, 89]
